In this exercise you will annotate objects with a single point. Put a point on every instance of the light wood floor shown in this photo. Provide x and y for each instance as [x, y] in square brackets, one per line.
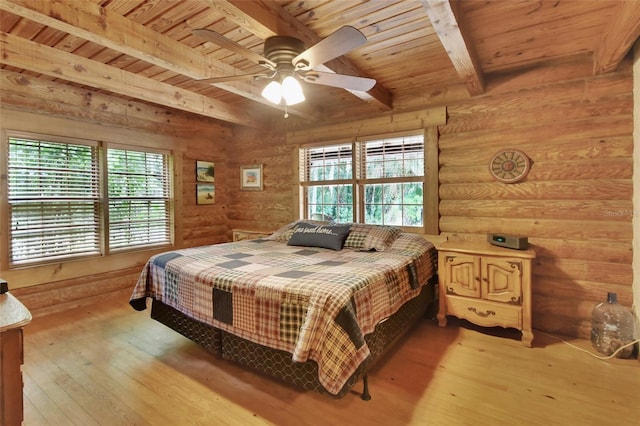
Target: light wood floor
[110, 365]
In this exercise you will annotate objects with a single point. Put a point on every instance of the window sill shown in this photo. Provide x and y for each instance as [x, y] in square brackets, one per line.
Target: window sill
[27, 276]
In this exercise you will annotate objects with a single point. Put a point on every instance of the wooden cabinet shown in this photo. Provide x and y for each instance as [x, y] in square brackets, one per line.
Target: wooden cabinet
[13, 316]
[485, 284]
[244, 234]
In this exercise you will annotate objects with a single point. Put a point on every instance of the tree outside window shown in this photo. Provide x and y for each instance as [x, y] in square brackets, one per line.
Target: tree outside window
[56, 208]
[388, 174]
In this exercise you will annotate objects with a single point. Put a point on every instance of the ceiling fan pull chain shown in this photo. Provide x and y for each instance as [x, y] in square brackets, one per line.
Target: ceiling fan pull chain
[286, 113]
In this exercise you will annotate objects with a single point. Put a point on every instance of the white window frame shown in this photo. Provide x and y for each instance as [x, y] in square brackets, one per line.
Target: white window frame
[347, 181]
[102, 211]
[54, 205]
[155, 231]
[358, 180]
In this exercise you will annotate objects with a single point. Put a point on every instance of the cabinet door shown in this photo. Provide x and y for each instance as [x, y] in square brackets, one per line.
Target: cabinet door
[11, 357]
[462, 274]
[502, 280]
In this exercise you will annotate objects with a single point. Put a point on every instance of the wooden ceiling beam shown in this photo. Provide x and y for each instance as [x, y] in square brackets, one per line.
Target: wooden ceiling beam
[252, 16]
[96, 24]
[444, 19]
[25, 54]
[622, 32]
[268, 19]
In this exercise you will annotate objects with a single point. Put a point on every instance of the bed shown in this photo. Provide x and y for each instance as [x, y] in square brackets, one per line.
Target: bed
[314, 304]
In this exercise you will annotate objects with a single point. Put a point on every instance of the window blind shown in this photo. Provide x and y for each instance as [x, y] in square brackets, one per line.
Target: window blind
[139, 198]
[393, 192]
[334, 162]
[382, 184]
[394, 157]
[54, 197]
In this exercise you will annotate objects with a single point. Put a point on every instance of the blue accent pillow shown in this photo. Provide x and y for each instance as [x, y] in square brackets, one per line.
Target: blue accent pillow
[325, 236]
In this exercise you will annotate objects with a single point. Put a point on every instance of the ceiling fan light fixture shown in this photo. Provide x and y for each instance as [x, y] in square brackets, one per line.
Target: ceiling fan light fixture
[289, 90]
[273, 92]
[288, 61]
[292, 91]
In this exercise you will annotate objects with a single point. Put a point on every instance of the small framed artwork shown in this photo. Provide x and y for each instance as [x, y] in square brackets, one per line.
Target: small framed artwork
[204, 171]
[205, 193]
[251, 177]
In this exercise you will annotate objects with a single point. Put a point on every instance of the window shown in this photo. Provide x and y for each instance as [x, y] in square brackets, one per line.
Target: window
[54, 200]
[378, 181]
[139, 199]
[56, 204]
[393, 181]
[330, 171]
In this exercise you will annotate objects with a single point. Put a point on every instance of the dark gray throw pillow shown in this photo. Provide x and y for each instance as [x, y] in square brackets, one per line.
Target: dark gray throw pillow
[326, 236]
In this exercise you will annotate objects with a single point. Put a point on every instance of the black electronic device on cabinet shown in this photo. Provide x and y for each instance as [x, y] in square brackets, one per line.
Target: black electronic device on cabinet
[517, 242]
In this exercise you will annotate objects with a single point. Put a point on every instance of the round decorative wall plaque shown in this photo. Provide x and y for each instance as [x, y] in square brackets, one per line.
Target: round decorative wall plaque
[509, 165]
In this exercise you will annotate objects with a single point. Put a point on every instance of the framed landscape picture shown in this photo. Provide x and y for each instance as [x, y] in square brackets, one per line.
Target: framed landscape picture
[251, 177]
[205, 171]
[205, 193]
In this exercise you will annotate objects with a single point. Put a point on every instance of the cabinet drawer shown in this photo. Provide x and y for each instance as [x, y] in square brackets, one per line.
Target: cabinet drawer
[484, 313]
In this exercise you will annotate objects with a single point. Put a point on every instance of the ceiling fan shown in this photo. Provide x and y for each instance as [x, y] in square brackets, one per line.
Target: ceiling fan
[287, 60]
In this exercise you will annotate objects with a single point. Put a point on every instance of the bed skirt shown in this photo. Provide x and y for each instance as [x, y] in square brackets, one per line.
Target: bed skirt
[278, 364]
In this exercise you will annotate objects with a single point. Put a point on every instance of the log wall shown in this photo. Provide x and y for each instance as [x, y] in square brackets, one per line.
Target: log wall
[275, 205]
[575, 204]
[278, 203]
[47, 107]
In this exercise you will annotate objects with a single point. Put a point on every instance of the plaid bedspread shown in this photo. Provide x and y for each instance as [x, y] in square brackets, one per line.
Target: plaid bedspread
[312, 302]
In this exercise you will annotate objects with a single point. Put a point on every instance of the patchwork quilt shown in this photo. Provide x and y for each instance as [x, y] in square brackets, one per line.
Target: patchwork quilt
[315, 303]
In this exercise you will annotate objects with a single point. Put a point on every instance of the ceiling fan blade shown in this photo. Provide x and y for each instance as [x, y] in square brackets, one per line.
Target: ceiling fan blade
[232, 46]
[342, 81]
[340, 42]
[237, 77]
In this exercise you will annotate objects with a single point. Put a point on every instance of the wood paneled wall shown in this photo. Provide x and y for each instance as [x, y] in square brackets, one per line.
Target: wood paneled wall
[274, 206]
[278, 203]
[35, 105]
[576, 203]
[206, 224]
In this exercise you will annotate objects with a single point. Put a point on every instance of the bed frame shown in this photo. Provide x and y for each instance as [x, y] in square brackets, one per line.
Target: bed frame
[278, 364]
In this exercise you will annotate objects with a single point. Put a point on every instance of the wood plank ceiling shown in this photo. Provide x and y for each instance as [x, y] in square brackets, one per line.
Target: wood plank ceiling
[144, 49]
